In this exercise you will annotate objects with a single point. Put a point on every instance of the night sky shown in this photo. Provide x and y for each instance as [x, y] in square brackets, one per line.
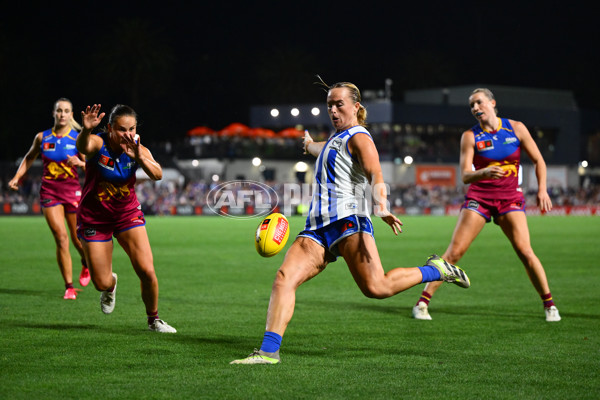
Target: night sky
[182, 66]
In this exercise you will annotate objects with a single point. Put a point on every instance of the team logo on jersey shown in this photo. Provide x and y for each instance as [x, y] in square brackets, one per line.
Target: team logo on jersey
[510, 169]
[56, 170]
[106, 162]
[107, 191]
[485, 145]
[49, 146]
[336, 144]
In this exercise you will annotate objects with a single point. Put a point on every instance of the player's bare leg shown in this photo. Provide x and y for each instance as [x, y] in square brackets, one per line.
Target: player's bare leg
[55, 217]
[514, 225]
[304, 260]
[137, 246]
[84, 277]
[468, 226]
[361, 255]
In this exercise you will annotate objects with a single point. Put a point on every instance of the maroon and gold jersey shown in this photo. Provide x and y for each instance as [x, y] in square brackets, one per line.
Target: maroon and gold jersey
[500, 148]
[109, 188]
[60, 182]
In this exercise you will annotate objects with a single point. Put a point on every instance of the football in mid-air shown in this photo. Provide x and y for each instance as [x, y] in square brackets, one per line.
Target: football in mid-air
[272, 234]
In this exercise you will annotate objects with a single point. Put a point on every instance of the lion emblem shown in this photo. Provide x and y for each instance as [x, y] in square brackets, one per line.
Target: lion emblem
[510, 168]
[107, 191]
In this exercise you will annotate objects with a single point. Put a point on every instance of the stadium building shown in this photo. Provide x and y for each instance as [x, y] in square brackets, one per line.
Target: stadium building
[423, 130]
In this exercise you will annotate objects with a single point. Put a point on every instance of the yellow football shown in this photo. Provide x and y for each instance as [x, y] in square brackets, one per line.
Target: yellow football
[272, 234]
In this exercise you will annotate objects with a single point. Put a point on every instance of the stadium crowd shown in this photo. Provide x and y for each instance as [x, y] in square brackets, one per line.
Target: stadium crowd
[427, 144]
[163, 197]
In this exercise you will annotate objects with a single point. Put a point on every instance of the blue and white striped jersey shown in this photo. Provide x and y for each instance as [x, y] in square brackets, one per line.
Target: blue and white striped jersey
[340, 182]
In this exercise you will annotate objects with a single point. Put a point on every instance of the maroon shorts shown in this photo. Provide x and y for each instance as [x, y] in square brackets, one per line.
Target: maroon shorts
[493, 208]
[69, 198]
[105, 232]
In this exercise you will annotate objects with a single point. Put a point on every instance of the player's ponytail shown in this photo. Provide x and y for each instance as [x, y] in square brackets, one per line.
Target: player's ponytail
[361, 115]
[74, 125]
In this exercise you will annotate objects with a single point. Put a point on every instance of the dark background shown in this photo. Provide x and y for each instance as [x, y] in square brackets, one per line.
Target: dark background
[181, 65]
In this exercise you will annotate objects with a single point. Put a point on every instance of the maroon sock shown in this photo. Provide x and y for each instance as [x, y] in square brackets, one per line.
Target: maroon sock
[425, 298]
[152, 317]
[112, 288]
[547, 299]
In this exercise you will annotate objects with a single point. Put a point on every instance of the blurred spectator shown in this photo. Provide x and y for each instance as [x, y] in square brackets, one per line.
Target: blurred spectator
[160, 198]
[430, 145]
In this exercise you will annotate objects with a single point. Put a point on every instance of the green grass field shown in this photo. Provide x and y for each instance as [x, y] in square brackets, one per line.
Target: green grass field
[488, 342]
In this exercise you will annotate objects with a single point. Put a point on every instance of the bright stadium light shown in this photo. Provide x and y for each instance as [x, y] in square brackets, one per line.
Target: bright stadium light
[256, 161]
[195, 163]
[301, 166]
[274, 112]
[295, 112]
[408, 160]
[584, 164]
[215, 178]
[315, 111]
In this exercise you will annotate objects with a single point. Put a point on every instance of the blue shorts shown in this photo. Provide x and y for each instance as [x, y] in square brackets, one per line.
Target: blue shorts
[330, 236]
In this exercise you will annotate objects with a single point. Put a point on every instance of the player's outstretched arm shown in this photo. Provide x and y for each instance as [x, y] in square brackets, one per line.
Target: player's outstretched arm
[312, 147]
[87, 144]
[27, 161]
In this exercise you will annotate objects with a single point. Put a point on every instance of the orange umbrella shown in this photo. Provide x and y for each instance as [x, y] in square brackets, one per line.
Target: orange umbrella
[251, 132]
[234, 129]
[260, 133]
[268, 133]
[200, 131]
[291, 133]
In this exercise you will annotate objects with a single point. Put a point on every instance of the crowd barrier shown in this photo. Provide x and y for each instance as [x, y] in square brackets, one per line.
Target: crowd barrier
[452, 210]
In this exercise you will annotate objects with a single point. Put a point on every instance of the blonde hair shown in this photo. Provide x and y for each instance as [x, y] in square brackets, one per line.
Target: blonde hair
[72, 123]
[361, 115]
[487, 93]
